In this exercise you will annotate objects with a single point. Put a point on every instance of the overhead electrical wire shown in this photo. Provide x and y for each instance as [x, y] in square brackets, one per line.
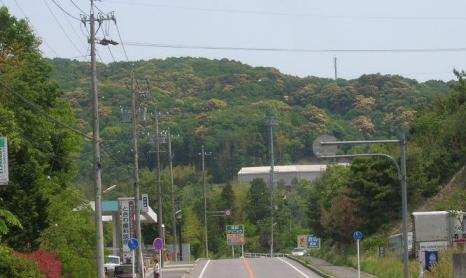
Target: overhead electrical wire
[121, 42]
[309, 50]
[40, 110]
[30, 23]
[233, 11]
[77, 7]
[61, 27]
[65, 11]
[69, 23]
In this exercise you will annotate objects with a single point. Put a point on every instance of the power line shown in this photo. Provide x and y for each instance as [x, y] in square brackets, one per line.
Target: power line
[235, 11]
[61, 27]
[121, 41]
[65, 11]
[69, 22]
[308, 50]
[30, 23]
[42, 111]
[74, 4]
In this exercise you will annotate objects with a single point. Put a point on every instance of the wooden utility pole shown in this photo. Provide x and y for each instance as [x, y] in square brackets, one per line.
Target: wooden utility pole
[159, 181]
[96, 142]
[170, 159]
[137, 195]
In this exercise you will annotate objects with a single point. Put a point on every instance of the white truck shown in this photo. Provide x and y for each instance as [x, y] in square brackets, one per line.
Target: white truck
[110, 262]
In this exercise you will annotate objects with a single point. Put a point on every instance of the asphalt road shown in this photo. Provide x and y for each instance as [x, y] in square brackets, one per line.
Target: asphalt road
[251, 268]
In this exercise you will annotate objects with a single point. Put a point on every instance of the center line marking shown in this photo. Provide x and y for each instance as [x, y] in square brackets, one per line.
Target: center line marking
[299, 271]
[249, 268]
[203, 270]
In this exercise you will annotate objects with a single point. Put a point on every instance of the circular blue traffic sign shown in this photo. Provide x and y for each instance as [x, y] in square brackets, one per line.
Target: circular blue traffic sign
[357, 235]
[158, 244]
[133, 244]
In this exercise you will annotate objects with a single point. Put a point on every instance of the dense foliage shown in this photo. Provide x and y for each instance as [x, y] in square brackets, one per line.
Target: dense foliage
[224, 105]
[38, 124]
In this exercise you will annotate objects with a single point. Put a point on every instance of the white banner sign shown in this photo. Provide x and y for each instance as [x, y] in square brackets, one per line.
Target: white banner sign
[3, 161]
[127, 210]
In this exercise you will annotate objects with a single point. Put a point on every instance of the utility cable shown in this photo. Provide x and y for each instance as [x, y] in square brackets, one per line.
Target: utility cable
[30, 24]
[65, 11]
[70, 24]
[74, 4]
[308, 50]
[61, 27]
[121, 41]
[234, 11]
[42, 111]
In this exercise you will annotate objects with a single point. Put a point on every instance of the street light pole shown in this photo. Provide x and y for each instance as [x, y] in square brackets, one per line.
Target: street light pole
[205, 203]
[401, 169]
[271, 123]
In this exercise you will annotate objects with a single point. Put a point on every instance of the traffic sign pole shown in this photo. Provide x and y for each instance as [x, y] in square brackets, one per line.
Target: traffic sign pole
[359, 262]
[358, 236]
[132, 261]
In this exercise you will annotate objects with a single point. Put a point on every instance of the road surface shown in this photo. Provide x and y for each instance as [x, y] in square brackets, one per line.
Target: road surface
[251, 268]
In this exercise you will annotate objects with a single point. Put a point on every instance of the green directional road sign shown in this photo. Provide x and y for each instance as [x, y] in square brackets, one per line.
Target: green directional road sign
[3, 161]
[235, 234]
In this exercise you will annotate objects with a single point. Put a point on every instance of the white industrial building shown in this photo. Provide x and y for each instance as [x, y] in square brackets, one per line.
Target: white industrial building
[286, 174]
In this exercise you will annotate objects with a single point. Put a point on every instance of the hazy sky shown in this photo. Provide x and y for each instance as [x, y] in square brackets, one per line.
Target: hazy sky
[272, 24]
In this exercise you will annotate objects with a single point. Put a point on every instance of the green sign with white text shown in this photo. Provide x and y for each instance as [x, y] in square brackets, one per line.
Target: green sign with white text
[235, 234]
[3, 161]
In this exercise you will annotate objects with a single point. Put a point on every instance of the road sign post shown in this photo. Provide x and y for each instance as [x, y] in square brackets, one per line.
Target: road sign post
[158, 245]
[133, 244]
[358, 236]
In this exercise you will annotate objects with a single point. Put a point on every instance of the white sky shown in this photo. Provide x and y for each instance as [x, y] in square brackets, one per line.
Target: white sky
[288, 24]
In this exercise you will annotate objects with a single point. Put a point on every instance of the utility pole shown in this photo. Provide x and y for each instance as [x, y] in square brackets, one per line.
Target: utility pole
[335, 67]
[204, 190]
[270, 124]
[170, 159]
[139, 260]
[159, 181]
[96, 136]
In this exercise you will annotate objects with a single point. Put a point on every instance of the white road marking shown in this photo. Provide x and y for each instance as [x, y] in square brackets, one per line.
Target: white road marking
[299, 271]
[205, 267]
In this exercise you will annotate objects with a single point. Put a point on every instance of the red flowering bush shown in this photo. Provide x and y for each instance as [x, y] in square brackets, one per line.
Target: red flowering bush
[47, 262]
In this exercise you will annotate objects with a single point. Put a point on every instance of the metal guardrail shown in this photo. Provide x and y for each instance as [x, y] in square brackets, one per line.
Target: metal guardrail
[263, 255]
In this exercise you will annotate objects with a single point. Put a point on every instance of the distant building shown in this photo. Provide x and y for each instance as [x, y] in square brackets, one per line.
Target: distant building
[288, 175]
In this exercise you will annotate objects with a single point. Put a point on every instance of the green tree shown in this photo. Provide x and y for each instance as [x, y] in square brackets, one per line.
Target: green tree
[258, 201]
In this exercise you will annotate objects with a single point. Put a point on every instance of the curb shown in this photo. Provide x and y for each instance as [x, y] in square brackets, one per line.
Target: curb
[311, 267]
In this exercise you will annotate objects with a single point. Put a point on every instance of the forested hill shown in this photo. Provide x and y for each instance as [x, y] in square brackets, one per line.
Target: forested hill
[224, 104]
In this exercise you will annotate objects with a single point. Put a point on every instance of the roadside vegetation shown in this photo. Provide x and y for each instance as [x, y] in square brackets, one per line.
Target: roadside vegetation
[223, 105]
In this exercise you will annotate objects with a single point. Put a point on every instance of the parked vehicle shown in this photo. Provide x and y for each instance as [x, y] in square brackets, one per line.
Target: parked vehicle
[124, 271]
[299, 251]
[110, 263]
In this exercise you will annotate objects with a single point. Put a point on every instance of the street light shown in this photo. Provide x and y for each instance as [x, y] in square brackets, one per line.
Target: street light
[109, 188]
[321, 149]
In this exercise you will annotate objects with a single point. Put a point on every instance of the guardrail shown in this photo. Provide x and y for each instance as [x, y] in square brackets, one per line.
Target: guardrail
[263, 255]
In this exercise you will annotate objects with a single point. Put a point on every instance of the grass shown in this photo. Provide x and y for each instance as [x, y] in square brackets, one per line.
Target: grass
[383, 267]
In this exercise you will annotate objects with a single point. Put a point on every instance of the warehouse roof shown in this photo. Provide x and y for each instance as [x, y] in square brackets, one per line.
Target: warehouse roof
[285, 169]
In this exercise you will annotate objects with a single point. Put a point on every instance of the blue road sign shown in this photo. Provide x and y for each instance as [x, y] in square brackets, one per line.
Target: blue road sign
[357, 235]
[133, 244]
[158, 244]
[313, 242]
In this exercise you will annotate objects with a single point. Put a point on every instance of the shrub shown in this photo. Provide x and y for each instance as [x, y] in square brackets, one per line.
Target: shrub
[13, 266]
[48, 262]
